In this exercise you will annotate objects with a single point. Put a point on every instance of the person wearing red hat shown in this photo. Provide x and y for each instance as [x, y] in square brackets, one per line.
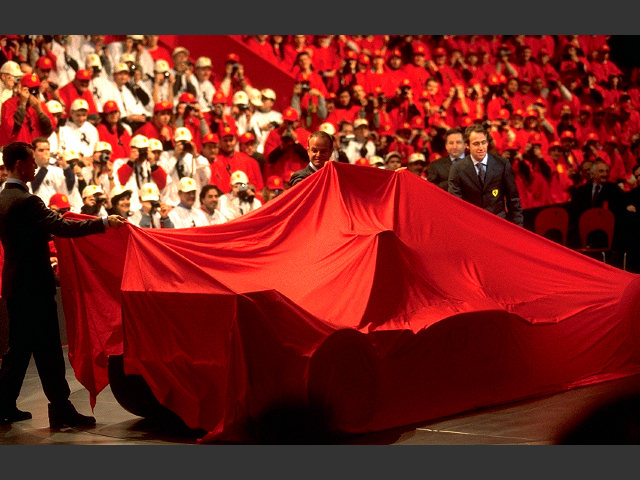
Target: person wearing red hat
[189, 114]
[78, 88]
[379, 82]
[273, 187]
[111, 129]
[247, 144]
[230, 160]
[416, 71]
[160, 125]
[48, 89]
[210, 149]
[325, 57]
[284, 148]
[218, 118]
[602, 66]
[23, 117]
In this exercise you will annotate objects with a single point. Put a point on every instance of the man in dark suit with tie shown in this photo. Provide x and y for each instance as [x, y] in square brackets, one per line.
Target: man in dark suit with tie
[319, 150]
[597, 192]
[28, 285]
[439, 169]
[485, 180]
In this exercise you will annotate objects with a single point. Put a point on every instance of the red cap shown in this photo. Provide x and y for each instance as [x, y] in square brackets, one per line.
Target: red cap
[518, 111]
[605, 48]
[438, 52]
[210, 138]
[290, 114]
[404, 126]
[396, 52]
[591, 137]
[331, 96]
[364, 59]
[110, 106]
[44, 63]
[228, 130]
[162, 106]
[187, 97]
[351, 55]
[247, 137]
[503, 114]
[218, 97]
[567, 134]
[30, 81]
[532, 113]
[419, 48]
[377, 53]
[83, 74]
[417, 122]
[275, 182]
[233, 57]
[535, 139]
[59, 200]
[424, 95]
[362, 161]
[612, 139]
[555, 144]
[405, 83]
[466, 121]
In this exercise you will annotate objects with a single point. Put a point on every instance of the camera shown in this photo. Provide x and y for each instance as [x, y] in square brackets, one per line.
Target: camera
[305, 87]
[243, 187]
[155, 204]
[274, 124]
[142, 154]
[166, 74]
[104, 157]
[35, 91]
[288, 133]
[235, 67]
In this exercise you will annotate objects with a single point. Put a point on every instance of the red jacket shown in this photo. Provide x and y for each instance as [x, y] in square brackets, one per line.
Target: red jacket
[31, 127]
[69, 93]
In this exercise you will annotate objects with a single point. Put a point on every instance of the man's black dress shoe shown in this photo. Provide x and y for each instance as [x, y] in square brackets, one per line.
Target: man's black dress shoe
[13, 415]
[66, 415]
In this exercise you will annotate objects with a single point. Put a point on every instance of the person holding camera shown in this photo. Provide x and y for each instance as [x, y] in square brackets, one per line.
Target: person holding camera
[132, 111]
[74, 173]
[133, 45]
[234, 77]
[289, 154]
[361, 146]
[241, 199]
[161, 85]
[138, 169]
[152, 213]
[78, 88]
[183, 161]
[102, 167]
[10, 76]
[48, 89]
[94, 201]
[185, 214]
[114, 131]
[23, 117]
[189, 115]
[265, 118]
[310, 103]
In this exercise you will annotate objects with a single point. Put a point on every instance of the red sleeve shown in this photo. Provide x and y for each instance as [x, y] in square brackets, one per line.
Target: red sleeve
[160, 177]
[124, 172]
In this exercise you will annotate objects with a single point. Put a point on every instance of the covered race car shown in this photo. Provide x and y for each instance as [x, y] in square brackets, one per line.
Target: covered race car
[367, 298]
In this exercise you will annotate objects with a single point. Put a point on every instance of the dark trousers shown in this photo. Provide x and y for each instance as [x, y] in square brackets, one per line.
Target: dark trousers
[33, 330]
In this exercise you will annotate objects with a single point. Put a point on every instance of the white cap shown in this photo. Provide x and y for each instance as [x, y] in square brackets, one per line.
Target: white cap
[118, 190]
[12, 68]
[359, 122]
[149, 192]
[79, 104]
[161, 66]
[187, 184]
[127, 57]
[203, 62]
[416, 157]
[70, 155]
[93, 60]
[394, 153]
[139, 141]
[121, 67]
[268, 93]
[240, 97]
[376, 161]
[136, 37]
[54, 106]
[328, 127]
[102, 146]
[89, 190]
[239, 177]
[182, 133]
[255, 97]
[155, 145]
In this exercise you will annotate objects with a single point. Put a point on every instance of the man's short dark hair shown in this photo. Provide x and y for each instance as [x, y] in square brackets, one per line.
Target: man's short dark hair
[452, 131]
[321, 134]
[37, 140]
[14, 152]
[475, 128]
[205, 190]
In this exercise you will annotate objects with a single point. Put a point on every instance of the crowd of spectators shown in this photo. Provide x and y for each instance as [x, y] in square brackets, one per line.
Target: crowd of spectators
[131, 112]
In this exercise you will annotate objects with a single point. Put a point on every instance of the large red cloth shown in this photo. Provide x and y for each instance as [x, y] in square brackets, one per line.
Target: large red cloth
[373, 294]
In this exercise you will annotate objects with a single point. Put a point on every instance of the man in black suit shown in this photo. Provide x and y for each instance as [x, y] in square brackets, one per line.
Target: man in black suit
[485, 180]
[28, 286]
[319, 151]
[597, 192]
[439, 169]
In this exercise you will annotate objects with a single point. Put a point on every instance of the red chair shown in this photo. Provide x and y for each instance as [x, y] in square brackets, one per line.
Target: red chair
[593, 220]
[552, 219]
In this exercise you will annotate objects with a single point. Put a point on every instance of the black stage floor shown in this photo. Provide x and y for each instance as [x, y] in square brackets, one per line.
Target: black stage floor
[540, 421]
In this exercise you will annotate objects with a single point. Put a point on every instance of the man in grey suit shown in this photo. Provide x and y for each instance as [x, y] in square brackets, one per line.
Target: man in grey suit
[439, 169]
[485, 180]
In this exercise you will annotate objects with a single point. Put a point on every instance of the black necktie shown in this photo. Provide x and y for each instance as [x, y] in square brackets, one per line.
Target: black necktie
[481, 173]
